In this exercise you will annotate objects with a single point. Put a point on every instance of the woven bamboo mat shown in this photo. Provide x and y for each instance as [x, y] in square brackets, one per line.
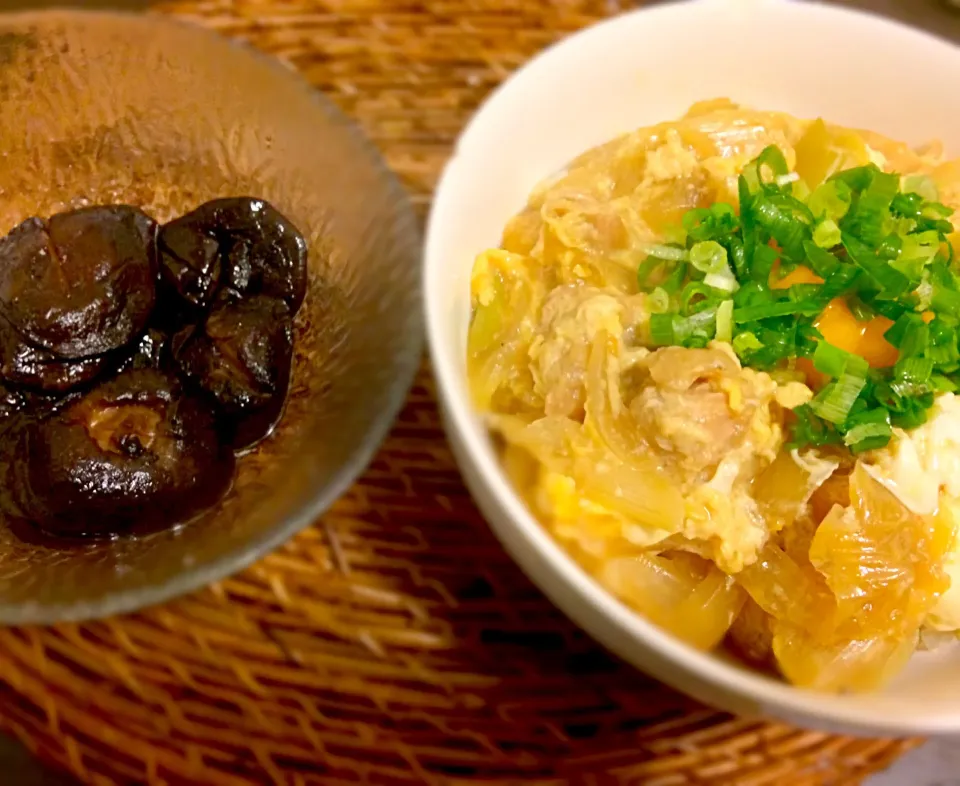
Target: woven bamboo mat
[394, 642]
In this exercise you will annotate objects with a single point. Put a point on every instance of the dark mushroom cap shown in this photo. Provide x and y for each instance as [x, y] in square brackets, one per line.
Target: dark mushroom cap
[239, 242]
[190, 259]
[136, 450]
[11, 402]
[82, 283]
[25, 365]
[240, 356]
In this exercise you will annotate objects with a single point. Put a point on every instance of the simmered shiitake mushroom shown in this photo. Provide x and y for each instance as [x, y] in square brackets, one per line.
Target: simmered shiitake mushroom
[134, 360]
[11, 402]
[240, 357]
[240, 242]
[82, 283]
[151, 351]
[135, 450]
[190, 259]
[25, 365]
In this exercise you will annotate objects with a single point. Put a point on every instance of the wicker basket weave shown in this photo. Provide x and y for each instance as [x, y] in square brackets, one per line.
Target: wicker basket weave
[394, 642]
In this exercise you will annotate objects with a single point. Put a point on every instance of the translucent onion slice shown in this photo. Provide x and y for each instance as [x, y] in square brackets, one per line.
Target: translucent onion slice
[787, 591]
[669, 592]
[844, 665]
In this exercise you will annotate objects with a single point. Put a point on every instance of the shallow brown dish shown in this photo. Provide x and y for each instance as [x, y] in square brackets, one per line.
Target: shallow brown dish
[125, 109]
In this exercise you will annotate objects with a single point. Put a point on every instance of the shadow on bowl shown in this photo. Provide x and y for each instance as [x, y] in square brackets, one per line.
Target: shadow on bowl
[129, 109]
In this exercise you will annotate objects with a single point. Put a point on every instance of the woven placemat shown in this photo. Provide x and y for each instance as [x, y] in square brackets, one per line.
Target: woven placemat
[394, 642]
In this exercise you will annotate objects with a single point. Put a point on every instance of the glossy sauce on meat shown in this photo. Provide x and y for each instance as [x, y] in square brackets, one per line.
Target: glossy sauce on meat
[135, 360]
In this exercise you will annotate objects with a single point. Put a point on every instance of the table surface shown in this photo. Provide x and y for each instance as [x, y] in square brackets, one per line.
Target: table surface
[935, 764]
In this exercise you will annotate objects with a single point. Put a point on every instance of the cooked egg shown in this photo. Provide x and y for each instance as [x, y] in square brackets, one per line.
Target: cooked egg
[918, 464]
[922, 468]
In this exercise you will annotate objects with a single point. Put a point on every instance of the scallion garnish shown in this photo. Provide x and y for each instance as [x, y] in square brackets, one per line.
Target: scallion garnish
[827, 234]
[659, 300]
[835, 401]
[867, 436]
[725, 321]
[872, 240]
[833, 361]
[831, 200]
[661, 329]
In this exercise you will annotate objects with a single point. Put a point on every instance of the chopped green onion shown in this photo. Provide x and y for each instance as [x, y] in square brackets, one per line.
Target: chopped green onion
[873, 239]
[738, 256]
[943, 384]
[913, 413]
[646, 269]
[907, 205]
[921, 246]
[786, 219]
[660, 251]
[890, 280]
[915, 339]
[823, 263]
[914, 370]
[833, 361]
[710, 223]
[747, 222]
[770, 157]
[725, 321]
[661, 330]
[778, 309]
[764, 259]
[944, 299]
[827, 234]
[696, 296]
[810, 431]
[944, 354]
[866, 219]
[898, 330]
[709, 256]
[700, 325]
[891, 309]
[860, 310]
[830, 200]
[659, 300]
[725, 281]
[868, 436]
[890, 248]
[857, 178]
[673, 282]
[936, 210]
[801, 190]
[835, 401]
[746, 342]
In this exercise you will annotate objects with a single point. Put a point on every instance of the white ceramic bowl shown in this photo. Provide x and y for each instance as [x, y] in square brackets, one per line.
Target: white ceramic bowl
[638, 69]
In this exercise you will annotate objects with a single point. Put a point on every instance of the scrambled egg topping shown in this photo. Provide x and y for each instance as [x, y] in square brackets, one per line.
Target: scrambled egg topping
[630, 449]
[922, 468]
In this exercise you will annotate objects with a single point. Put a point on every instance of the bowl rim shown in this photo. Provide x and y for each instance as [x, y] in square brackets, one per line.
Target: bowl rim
[407, 362]
[609, 620]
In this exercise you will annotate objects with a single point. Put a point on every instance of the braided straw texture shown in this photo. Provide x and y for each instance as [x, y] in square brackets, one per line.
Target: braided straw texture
[394, 642]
